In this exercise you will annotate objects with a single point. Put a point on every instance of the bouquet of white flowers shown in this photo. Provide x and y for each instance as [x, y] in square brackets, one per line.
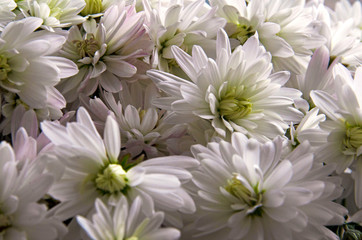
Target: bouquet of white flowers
[180, 119]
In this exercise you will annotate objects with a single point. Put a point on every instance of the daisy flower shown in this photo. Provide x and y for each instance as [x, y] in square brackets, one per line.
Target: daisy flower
[22, 184]
[343, 146]
[246, 190]
[106, 53]
[285, 29]
[126, 221]
[235, 92]
[55, 13]
[93, 170]
[178, 23]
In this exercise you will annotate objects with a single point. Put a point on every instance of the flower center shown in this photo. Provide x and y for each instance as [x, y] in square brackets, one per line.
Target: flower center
[112, 179]
[132, 238]
[233, 106]
[4, 68]
[92, 7]
[5, 222]
[253, 198]
[353, 139]
[87, 47]
[243, 33]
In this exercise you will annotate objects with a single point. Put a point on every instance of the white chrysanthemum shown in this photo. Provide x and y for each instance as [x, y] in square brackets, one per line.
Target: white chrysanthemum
[21, 186]
[126, 221]
[308, 126]
[342, 39]
[246, 190]
[6, 14]
[29, 70]
[107, 52]
[236, 92]
[55, 13]
[26, 65]
[179, 24]
[318, 76]
[345, 9]
[343, 145]
[145, 129]
[284, 28]
[92, 170]
[51, 111]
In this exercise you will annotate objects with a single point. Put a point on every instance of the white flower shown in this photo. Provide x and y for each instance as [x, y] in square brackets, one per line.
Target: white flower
[6, 14]
[179, 23]
[343, 146]
[235, 92]
[345, 10]
[107, 52]
[284, 28]
[29, 70]
[26, 65]
[308, 128]
[342, 39]
[246, 190]
[318, 76]
[55, 13]
[92, 170]
[126, 221]
[51, 111]
[145, 129]
[21, 186]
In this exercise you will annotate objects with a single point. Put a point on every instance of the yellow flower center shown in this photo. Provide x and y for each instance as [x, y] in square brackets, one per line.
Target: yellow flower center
[87, 47]
[92, 7]
[5, 222]
[4, 68]
[112, 179]
[353, 139]
[251, 198]
[233, 105]
[243, 33]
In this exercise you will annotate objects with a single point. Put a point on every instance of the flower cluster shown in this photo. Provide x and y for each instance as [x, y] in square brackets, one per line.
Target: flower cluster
[181, 119]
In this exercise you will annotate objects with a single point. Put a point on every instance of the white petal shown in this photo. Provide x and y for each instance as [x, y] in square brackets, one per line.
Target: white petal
[273, 198]
[112, 138]
[120, 68]
[110, 82]
[84, 118]
[67, 67]
[326, 103]
[280, 176]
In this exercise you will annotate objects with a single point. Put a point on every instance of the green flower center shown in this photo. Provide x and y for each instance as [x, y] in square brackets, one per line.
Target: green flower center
[56, 12]
[4, 68]
[353, 139]
[243, 33]
[111, 179]
[92, 7]
[251, 198]
[132, 238]
[5, 222]
[87, 47]
[233, 105]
